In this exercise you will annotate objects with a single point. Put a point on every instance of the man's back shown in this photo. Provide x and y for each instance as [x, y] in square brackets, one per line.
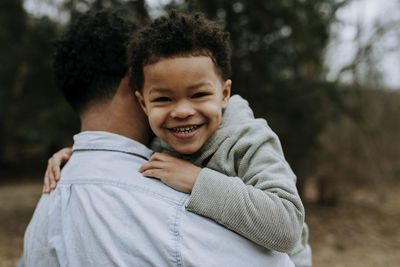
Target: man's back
[105, 213]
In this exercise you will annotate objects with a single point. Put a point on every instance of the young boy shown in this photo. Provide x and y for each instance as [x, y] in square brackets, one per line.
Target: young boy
[231, 163]
[180, 68]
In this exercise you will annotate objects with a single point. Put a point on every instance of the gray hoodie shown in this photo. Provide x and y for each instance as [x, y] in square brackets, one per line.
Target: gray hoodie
[247, 185]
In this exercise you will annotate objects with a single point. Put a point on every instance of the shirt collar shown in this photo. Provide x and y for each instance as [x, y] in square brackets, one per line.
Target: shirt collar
[106, 141]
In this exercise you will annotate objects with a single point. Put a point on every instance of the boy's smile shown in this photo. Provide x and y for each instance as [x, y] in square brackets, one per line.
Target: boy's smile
[183, 98]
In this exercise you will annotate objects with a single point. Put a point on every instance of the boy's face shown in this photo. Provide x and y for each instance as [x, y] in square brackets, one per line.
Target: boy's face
[183, 98]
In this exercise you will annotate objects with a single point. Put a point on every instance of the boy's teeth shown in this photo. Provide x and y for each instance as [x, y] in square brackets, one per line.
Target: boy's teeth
[185, 129]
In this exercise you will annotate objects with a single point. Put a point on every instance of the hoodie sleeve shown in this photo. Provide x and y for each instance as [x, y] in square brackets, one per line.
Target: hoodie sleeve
[248, 187]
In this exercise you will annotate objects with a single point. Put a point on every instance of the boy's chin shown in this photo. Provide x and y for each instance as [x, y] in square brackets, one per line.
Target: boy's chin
[186, 150]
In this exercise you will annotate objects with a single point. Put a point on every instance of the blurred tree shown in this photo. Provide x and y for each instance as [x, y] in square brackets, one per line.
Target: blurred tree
[42, 108]
[30, 104]
[376, 39]
[13, 24]
[135, 10]
[361, 148]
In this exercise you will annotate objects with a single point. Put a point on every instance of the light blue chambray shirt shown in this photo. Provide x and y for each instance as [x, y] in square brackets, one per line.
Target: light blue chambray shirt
[105, 213]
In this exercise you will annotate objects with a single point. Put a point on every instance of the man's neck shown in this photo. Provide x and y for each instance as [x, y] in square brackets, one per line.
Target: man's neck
[121, 115]
[108, 118]
[93, 123]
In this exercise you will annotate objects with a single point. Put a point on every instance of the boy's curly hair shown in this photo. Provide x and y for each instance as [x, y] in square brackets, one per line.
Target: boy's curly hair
[178, 35]
[90, 58]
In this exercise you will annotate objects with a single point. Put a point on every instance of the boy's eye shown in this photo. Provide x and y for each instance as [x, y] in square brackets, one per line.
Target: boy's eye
[161, 99]
[201, 94]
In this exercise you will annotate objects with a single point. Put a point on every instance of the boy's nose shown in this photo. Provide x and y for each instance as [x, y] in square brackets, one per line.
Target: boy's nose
[182, 110]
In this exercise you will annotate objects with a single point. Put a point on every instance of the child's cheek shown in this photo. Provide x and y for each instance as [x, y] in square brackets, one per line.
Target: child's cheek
[155, 119]
[213, 110]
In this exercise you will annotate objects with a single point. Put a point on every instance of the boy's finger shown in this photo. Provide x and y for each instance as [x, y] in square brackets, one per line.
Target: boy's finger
[45, 182]
[153, 157]
[55, 174]
[59, 159]
[52, 181]
[166, 156]
[65, 157]
[67, 151]
[145, 167]
[152, 173]
[57, 165]
[157, 156]
[54, 161]
[152, 165]
[49, 172]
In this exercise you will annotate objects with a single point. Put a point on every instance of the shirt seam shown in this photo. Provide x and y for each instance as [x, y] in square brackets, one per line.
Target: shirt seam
[122, 186]
[178, 254]
[111, 150]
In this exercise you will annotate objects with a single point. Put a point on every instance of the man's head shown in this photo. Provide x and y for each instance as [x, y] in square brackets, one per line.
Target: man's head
[90, 58]
[180, 65]
[90, 66]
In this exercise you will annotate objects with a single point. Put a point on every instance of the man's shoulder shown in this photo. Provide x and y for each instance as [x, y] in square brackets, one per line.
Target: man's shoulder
[116, 173]
[37, 244]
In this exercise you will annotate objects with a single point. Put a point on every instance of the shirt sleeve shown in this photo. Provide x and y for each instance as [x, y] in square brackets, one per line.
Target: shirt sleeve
[37, 248]
[261, 202]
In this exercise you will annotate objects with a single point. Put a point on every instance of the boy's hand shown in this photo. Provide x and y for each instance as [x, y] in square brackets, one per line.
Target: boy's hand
[176, 173]
[53, 171]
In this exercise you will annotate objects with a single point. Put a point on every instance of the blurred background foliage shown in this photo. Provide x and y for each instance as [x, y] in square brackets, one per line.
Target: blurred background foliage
[332, 132]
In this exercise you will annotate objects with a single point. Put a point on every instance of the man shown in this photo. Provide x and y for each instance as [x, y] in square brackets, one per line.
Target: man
[103, 211]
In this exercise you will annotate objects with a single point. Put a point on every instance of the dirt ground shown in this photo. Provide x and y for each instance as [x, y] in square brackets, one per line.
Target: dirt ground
[363, 230]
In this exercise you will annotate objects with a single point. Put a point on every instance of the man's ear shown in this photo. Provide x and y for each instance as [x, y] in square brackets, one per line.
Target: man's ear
[141, 101]
[226, 92]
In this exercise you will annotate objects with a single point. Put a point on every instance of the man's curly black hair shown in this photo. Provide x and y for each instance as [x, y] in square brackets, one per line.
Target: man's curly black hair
[178, 35]
[90, 58]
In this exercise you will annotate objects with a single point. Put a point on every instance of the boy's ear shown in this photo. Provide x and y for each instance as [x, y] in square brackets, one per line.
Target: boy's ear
[140, 99]
[226, 92]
